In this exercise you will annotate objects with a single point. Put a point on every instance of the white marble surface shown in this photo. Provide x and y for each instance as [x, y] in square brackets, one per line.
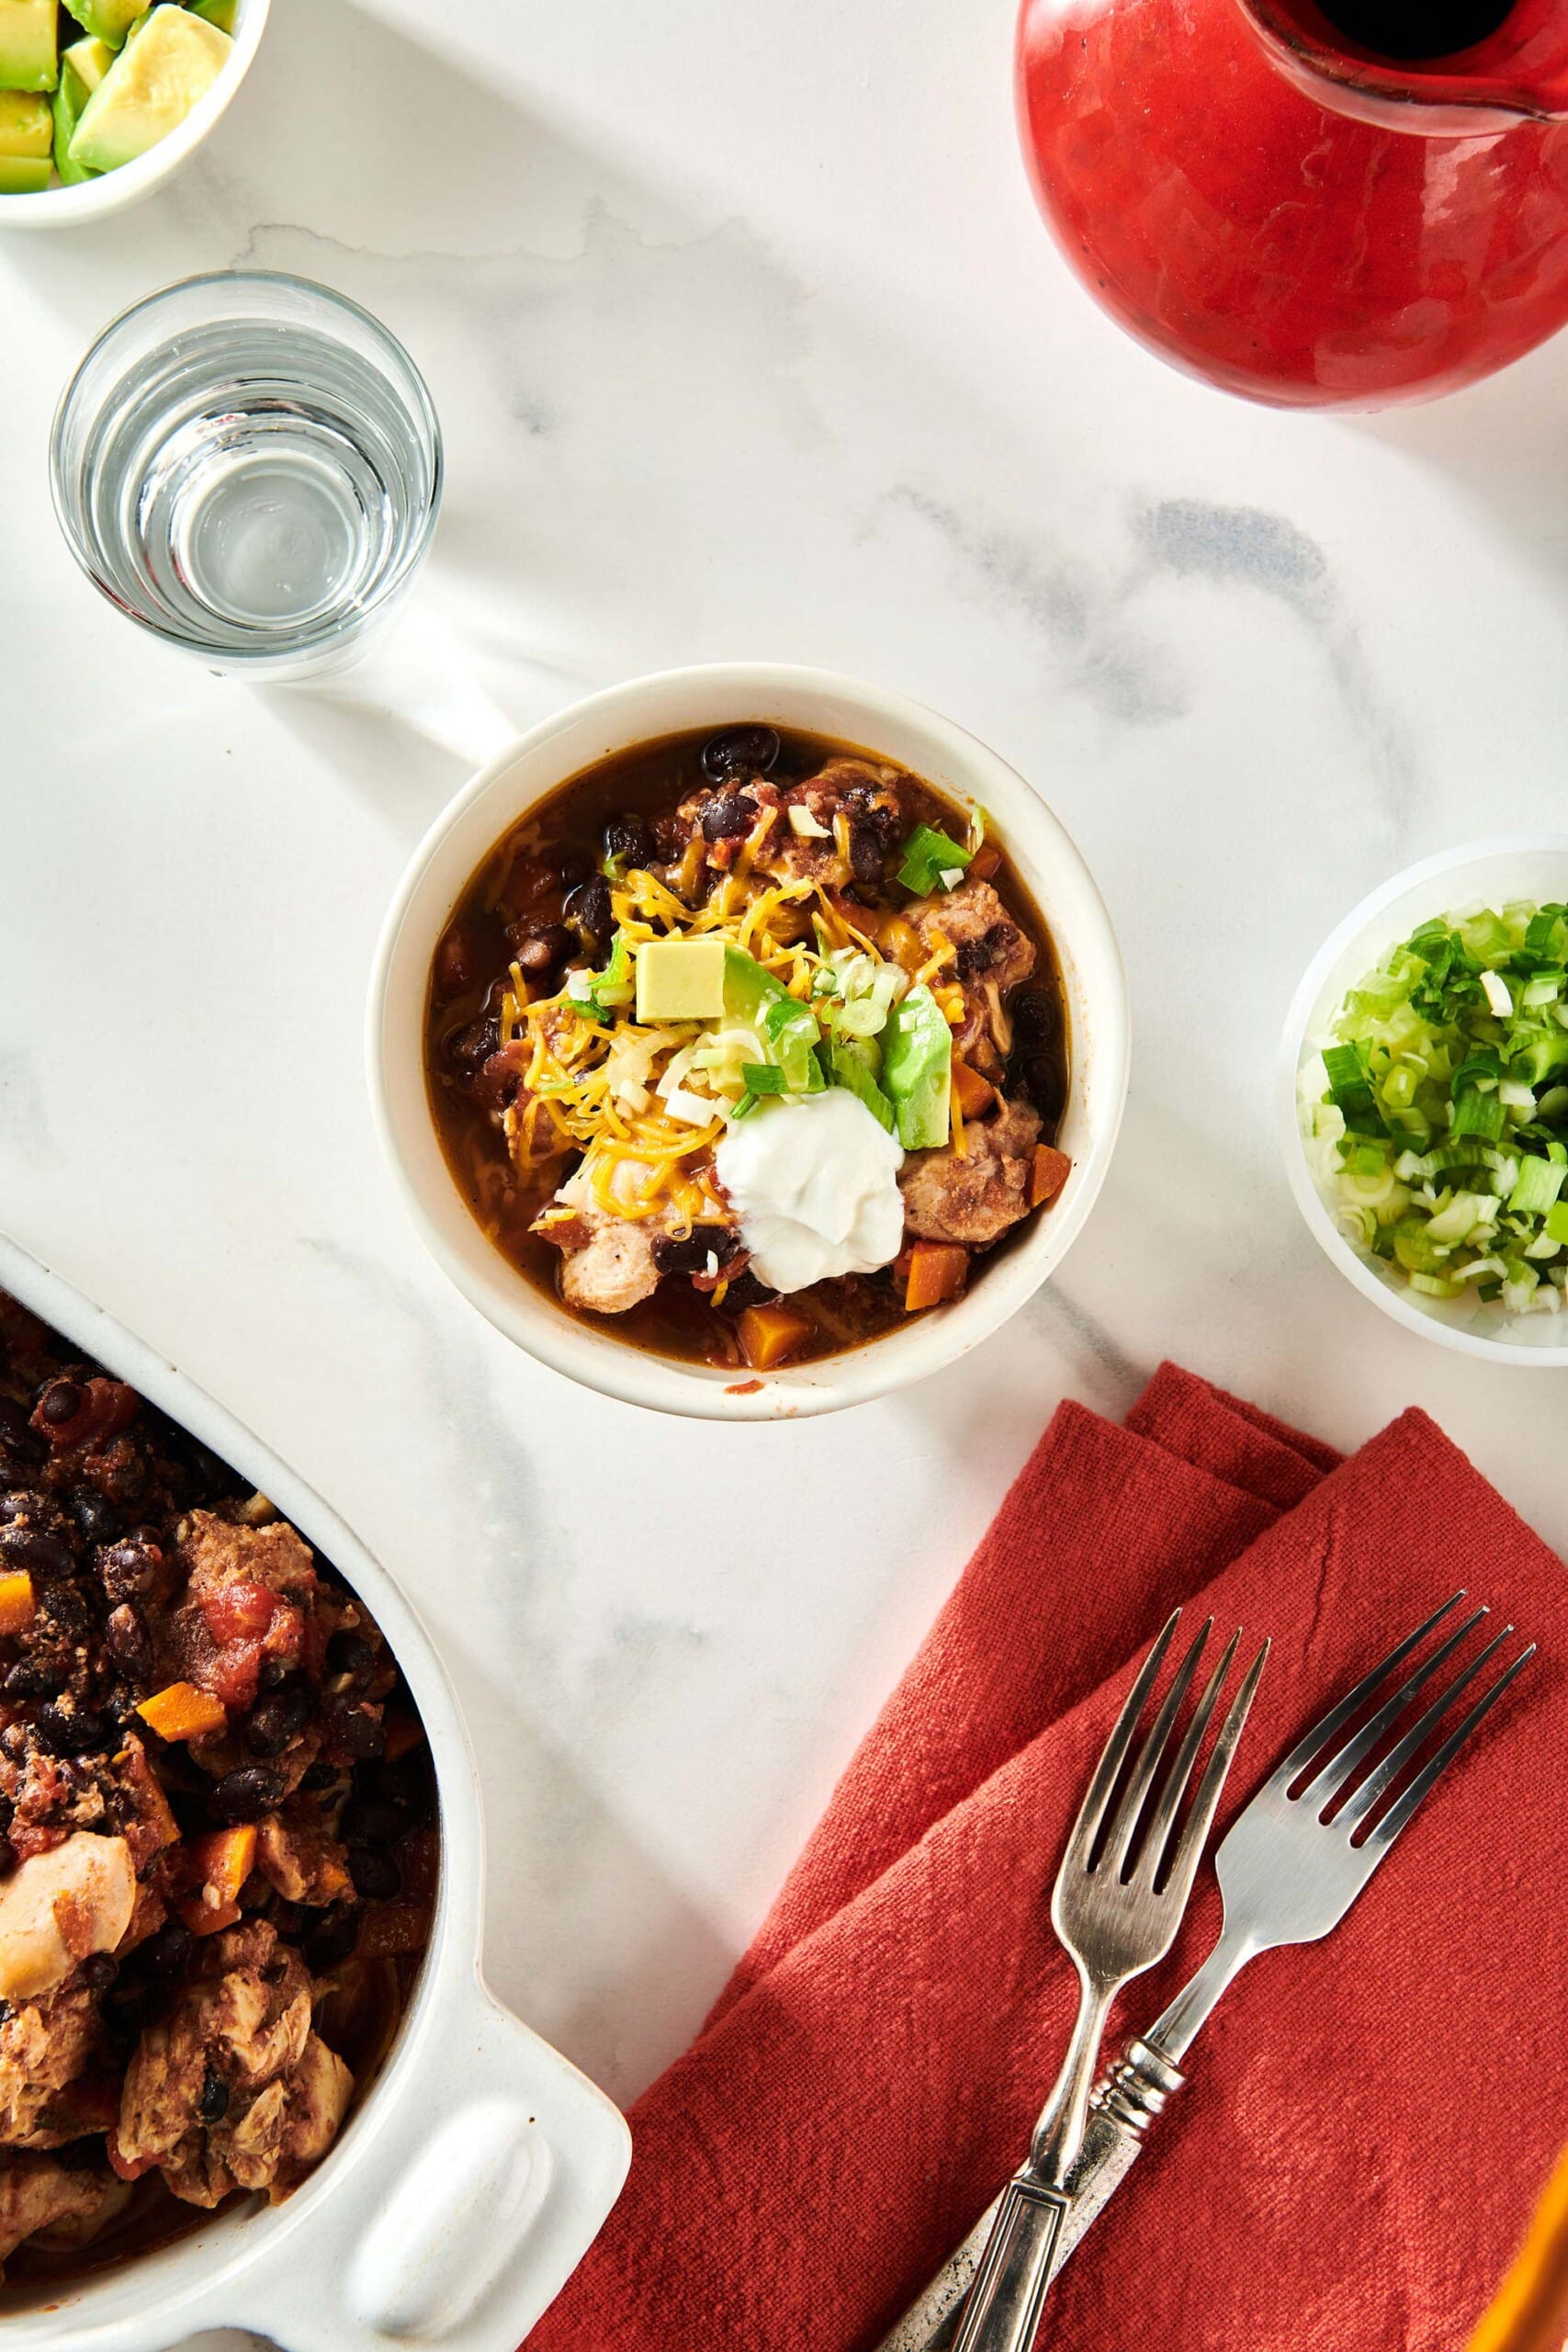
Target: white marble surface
[746, 342]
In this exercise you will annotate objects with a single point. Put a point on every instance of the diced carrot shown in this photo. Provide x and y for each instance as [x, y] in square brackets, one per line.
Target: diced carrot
[204, 1918]
[937, 1272]
[769, 1335]
[182, 1712]
[387, 1930]
[975, 1094]
[1050, 1172]
[222, 1860]
[986, 862]
[17, 1602]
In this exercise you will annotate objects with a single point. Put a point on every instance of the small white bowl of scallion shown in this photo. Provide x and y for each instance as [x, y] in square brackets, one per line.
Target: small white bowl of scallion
[1424, 1098]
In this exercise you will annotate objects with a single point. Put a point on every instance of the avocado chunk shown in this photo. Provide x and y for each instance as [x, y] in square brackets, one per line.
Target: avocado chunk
[107, 20]
[916, 1069]
[148, 90]
[680, 979]
[221, 13]
[26, 125]
[751, 994]
[85, 62]
[855, 1064]
[82, 68]
[29, 51]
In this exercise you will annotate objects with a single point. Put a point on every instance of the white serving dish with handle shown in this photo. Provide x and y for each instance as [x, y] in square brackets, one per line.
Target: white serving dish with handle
[846, 710]
[471, 2182]
[1487, 873]
[74, 207]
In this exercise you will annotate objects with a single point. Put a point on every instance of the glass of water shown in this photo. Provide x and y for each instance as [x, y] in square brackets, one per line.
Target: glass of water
[250, 466]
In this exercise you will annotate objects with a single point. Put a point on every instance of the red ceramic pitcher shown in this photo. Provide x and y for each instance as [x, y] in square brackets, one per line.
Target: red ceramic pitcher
[1298, 215]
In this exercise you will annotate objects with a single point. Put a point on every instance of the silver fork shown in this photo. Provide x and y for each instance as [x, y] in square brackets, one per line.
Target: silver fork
[1119, 1894]
[1287, 1875]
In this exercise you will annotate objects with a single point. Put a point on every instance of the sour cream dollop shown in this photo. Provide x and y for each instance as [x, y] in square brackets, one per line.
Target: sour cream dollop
[816, 1184]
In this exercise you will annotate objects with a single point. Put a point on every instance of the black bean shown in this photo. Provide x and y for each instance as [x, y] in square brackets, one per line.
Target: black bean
[691, 1255]
[66, 1607]
[589, 913]
[276, 1721]
[469, 1049]
[213, 2104]
[359, 1734]
[571, 865]
[43, 1556]
[747, 1289]
[60, 1401]
[98, 1972]
[729, 817]
[349, 1652]
[369, 1821]
[976, 956]
[740, 751]
[629, 839]
[316, 1777]
[374, 1874]
[130, 1643]
[869, 805]
[130, 1568]
[1042, 1078]
[31, 1679]
[166, 1954]
[332, 1940]
[95, 1518]
[541, 947]
[14, 1422]
[1033, 1014]
[64, 1727]
[246, 1795]
[865, 853]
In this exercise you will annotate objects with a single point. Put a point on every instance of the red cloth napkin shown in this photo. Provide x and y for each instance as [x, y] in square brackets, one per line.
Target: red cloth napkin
[1368, 2119]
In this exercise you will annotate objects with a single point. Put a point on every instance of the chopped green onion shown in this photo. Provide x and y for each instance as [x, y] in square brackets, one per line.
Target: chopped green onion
[1539, 1182]
[1479, 1114]
[762, 1078]
[928, 857]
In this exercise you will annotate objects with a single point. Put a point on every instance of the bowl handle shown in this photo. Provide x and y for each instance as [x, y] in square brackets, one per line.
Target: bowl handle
[467, 2210]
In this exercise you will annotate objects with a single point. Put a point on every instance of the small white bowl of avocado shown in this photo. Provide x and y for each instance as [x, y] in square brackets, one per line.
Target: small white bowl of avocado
[101, 101]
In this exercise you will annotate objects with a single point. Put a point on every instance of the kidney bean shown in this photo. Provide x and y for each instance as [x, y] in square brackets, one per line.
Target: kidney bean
[740, 751]
[729, 817]
[130, 1643]
[374, 1874]
[44, 1557]
[246, 1795]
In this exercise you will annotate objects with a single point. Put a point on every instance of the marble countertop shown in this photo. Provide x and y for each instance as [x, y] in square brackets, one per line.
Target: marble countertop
[748, 343]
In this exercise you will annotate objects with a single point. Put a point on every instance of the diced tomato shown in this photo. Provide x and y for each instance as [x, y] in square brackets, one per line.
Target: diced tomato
[238, 1609]
[126, 2170]
[231, 1676]
[285, 1636]
[27, 1838]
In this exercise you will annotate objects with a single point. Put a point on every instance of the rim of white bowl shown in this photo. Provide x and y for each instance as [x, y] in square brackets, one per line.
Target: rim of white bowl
[65, 208]
[1296, 1044]
[716, 695]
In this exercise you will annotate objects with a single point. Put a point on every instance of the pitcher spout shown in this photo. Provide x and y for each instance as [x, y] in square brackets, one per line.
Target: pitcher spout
[1450, 69]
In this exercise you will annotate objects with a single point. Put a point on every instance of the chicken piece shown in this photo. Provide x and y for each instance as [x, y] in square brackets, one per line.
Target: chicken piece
[301, 1861]
[45, 2045]
[608, 1263]
[866, 796]
[217, 1555]
[974, 1198]
[39, 2196]
[990, 944]
[60, 1906]
[232, 2089]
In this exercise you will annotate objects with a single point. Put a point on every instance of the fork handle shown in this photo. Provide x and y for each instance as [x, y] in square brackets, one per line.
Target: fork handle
[1124, 2107]
[1002, 2313]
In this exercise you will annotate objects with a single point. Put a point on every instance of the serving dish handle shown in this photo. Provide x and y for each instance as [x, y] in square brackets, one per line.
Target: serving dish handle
[460, 2228]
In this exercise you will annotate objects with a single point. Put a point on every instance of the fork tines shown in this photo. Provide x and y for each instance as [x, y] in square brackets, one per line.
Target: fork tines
[1335, 1783]
[1123, 1821]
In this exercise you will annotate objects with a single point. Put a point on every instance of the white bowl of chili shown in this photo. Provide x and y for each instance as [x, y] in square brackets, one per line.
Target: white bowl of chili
[472, 2180]
[847, 716]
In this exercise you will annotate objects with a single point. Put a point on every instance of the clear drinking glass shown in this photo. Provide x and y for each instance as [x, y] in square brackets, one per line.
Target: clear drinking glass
[249, 466]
